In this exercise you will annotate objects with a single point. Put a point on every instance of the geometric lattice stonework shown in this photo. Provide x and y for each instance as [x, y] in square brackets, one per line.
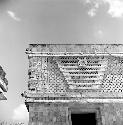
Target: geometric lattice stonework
[53, 78]
[113, 83]
[113, 78]
[70, 79]
[83, 72]
[45, 76]
[72, 72]
[58, 75]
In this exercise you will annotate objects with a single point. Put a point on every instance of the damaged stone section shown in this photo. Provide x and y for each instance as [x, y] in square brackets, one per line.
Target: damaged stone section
[3, 84]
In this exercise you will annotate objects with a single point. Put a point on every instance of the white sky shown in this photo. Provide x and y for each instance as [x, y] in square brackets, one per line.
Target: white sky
[49, 21]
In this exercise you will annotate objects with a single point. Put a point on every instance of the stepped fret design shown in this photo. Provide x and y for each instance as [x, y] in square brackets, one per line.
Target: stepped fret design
[84, 72]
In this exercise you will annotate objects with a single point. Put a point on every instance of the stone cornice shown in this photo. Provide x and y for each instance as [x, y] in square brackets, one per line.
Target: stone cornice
[83, 48]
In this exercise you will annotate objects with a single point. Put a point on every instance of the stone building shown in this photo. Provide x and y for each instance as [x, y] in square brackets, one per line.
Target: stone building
[3, 84]
[75, 82]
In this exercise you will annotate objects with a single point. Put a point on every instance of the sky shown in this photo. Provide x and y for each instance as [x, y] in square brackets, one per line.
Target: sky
[24, 22]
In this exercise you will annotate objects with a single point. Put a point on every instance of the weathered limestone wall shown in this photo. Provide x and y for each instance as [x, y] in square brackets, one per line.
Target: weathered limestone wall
[84, 48]
[110, 113]
[48, 114]
[53, 114]
[51, 67]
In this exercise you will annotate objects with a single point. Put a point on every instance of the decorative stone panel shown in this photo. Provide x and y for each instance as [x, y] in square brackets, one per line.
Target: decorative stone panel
[74, 78]
[64, 71]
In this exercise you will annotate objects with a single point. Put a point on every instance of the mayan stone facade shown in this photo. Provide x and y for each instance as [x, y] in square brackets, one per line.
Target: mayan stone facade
[74, 78]
[3, 84]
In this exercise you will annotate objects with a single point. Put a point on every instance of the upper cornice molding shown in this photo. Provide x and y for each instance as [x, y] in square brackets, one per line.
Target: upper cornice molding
[75, 49]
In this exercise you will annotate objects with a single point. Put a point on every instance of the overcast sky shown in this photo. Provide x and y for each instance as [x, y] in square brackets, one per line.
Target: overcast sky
[49, 21]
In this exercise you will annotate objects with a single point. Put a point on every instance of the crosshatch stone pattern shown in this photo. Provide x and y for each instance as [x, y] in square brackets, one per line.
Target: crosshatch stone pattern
[45, 75]
[113, 78]
[78, 73]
